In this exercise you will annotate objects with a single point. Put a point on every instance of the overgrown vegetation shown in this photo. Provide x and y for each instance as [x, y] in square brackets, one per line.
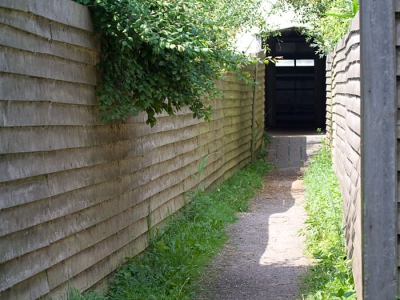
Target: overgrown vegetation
[330, 277]
[177, 254]
[325, 21]
[160, 56]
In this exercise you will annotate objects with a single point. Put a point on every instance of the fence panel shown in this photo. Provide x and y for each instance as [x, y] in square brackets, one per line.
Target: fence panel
[343, 134]
[77, 196]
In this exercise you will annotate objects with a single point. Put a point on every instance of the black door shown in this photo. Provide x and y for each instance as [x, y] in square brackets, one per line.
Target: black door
[292, 89]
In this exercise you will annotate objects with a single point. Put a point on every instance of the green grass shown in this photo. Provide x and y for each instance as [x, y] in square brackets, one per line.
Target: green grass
[74, 294]
[330, 277]
[168, 269]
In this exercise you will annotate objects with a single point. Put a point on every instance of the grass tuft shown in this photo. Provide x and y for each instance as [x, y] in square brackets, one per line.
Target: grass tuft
[330, 277]
[176, 256]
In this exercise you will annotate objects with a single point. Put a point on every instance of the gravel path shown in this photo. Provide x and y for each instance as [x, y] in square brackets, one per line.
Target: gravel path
[263, 256]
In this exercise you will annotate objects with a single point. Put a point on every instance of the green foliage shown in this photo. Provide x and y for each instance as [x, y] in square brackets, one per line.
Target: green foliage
[168, 269]
[325, 21]
[266, 141]
[74, 294]
[160, 56]
[354, 11]
[330, 277]
[200, 169]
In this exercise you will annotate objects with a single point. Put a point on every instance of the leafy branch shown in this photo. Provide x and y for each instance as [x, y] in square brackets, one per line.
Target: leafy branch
[325, 21]
[353, 7]
[161, 56]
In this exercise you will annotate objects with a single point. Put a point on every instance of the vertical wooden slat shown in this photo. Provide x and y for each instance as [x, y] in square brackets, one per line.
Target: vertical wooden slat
[270, 77]
[253, 118]
[379, 150]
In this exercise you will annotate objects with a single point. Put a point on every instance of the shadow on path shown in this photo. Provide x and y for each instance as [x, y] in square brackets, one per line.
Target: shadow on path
[263, 257]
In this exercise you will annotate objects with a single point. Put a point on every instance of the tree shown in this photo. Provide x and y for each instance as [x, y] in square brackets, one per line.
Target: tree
[160, 55]
[325, 21]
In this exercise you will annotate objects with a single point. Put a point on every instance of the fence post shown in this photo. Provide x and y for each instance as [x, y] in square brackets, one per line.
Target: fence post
[253, 117]
[379, 149]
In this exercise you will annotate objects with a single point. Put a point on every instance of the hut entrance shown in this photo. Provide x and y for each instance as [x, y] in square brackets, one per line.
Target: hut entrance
[295, 86]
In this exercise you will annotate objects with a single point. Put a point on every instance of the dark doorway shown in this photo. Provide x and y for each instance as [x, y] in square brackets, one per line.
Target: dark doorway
[295, 86]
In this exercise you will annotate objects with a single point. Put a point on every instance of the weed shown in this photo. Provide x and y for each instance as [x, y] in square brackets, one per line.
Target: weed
[200, 169]
[330, 277]
[73, 293]
[267, 139]
[168, 269]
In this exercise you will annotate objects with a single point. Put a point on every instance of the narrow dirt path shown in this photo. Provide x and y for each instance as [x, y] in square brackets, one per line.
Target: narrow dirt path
[263, 257]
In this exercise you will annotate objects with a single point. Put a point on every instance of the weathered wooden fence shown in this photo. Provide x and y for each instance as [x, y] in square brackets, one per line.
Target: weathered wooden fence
[362, 116]
[343, 134]
[78, 196]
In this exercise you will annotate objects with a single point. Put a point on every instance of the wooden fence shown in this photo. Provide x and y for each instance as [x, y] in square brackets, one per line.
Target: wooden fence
[379, 27]
[362, 121]
[78, 196]
[343, 135]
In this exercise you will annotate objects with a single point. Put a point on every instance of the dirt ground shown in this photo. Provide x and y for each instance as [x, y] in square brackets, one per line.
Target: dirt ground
[263, 257]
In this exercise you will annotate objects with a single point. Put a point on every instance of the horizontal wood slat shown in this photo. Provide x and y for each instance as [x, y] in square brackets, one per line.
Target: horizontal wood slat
[344, 135]
[77, 195]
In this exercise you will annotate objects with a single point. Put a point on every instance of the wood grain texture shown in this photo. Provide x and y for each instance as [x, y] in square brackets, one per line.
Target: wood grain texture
[87, 190]
[379, 150]
[344, 136]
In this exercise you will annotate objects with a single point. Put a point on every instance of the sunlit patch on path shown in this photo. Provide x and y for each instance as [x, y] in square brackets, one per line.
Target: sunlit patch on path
[283, 227]
[263, 257]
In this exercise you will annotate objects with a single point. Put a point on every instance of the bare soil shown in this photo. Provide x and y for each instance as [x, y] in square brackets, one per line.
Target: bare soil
[263, 257]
